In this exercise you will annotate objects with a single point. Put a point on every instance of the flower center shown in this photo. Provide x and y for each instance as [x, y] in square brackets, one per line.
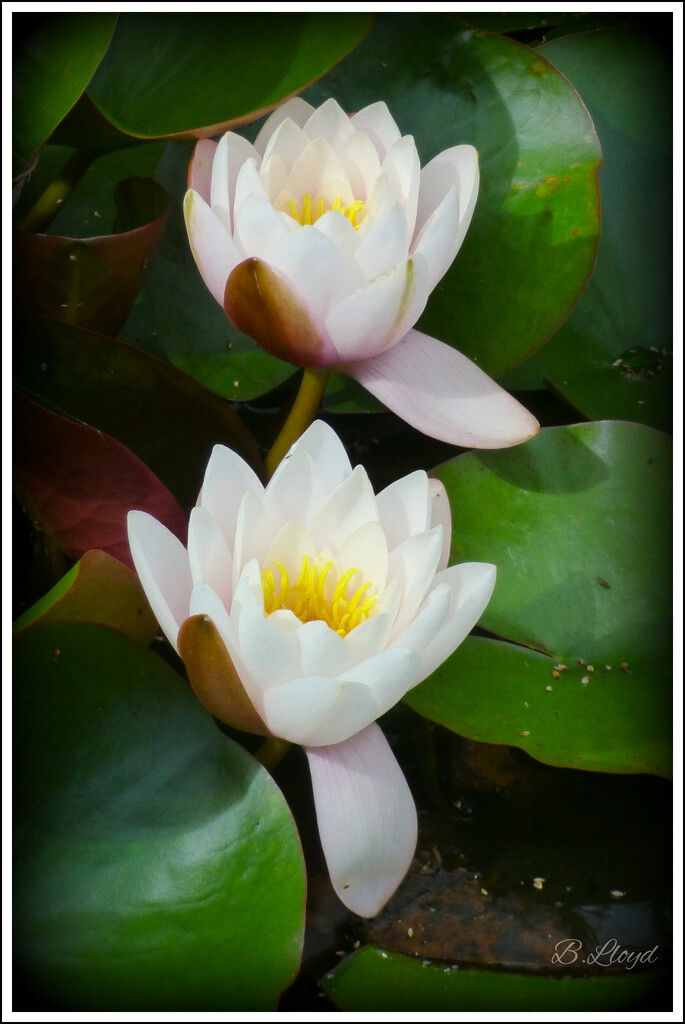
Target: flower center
[309, 213]
[307, 600]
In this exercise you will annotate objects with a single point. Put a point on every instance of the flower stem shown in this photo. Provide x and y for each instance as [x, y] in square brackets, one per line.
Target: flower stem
[272, 752]
[58, 191]
[300, 416]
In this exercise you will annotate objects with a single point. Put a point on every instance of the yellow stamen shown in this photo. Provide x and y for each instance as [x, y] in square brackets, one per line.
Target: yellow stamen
[309, 214]
[306, 599]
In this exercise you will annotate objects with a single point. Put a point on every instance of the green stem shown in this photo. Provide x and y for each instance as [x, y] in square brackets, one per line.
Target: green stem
[272, 752]
[58, 191]
[300, 416]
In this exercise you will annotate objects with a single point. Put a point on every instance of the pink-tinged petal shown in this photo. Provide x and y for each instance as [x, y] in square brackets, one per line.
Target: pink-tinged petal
[258, 227]
[403, 170]
[351, 505]
[318, 710]
[227, 478]
[360, 159]
[209, 557]
[297, 489]
[262, 303]
[385, 245]
[328, 453]
[403, 507]
[441, 513]
[413, 563]
[297, 109]
[366, 818]
[439, 240]
[200, 169]
[443, 394]
[388, 674]
[377, 122]
[161, 562]
[231, 153]
[471, 584]
[364, 323]
[287, 143]
[330, 122]
[214, 251]
[454, 168]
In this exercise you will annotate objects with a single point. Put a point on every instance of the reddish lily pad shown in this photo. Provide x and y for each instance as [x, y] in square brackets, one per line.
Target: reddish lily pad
[157, 866]
[169, 420]
[577, 523]
[92, 282]
[98, 589]
[189, 75]
[78, 484]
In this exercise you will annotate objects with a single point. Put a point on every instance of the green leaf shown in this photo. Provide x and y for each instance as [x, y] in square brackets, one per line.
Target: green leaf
[613, 356]
[98, 589]
[532, 242]
[165, 417]
[577, 522]
[372, 979]
[177, 74]
[157, 866]
[54, 60]
[180, 319]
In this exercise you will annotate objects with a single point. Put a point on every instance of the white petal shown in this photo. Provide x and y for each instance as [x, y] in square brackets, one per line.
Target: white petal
[443, 394]
[369, 637]
[258, 227]
[248, 183]
[403, 507]
[364, 323]
[288, 143]
[472, 584]
[453, 168]
[385, 245]
[351, 505]
[340, 232]
[439, 239]
[322, 651]
[268, 648]
[320, 173]
[430, 618]
[297, 489]
[414, 563]
[367, 551]
[360, 158]
[388, 674]
[254, 531]
[214, 251]
[403, 169]
[274, 175]
[227, 478]
[380, 200]
[231, 153]
[328, 452]
[318, 710]
[441, 513]
[200, 170]
[330, 122]
[376, 121]
[209, 557]
[366, 817]
[297, 109]
[289, 546]
[161, 562]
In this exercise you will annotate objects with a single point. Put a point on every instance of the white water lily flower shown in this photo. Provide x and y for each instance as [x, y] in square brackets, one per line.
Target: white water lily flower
[330, 603]
[323, 241]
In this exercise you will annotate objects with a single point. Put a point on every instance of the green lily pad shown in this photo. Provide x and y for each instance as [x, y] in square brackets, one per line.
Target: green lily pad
[98, 589]
[54, 60]
[179, 319]
[177, 74]
[157, 866]
[374, 979]
[169, 420]
[613, 356]
[577, 522]
[531, 245]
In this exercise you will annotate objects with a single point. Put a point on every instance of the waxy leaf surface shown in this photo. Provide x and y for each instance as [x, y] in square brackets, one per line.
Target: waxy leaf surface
[577, 522]
[157, 866]
[79, 484]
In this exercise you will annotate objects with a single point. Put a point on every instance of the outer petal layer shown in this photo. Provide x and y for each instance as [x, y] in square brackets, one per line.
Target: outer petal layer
[443, 394]
[366, 817]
